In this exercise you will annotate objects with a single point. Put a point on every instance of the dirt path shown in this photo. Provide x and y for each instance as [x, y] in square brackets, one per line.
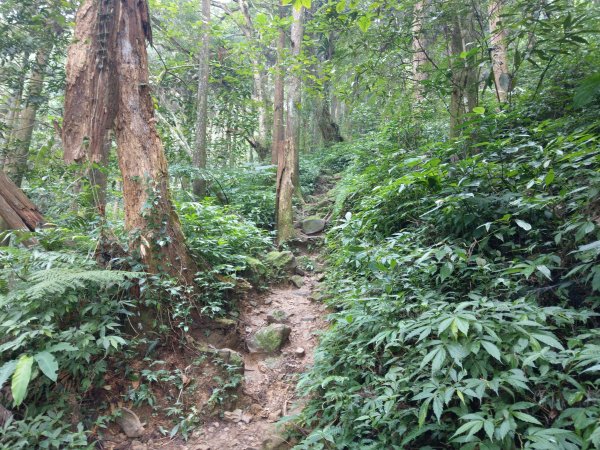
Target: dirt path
[269, 381]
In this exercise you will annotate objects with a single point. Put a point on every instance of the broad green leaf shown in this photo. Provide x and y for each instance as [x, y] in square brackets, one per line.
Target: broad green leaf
[20, 379]
[491, 349]
[479, 110]
[544, 271]
[48, 365]
[523, 224]
[6, 371]
[526, 417]
[364, 22]
[548, 340]
[549, 177]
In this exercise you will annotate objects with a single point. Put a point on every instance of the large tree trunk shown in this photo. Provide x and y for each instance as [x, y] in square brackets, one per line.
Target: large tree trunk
[16, 159]
[98, 178]
[278, 100]
[419, 55]
[499, 52]
[199, 158]
[16, 210]
[287, 167]
[107, 82]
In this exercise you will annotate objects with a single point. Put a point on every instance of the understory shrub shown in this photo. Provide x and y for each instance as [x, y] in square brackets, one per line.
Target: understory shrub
[465, 279]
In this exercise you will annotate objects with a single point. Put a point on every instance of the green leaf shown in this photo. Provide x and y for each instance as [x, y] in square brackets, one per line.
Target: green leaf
[491, 349]
[341, 6]
[549, 178]
[48, 364]
[479, 110]
[6, 371]
[20, 379]
[548, 340]
[526, 417]
[364, 23]
[544, 271]
[523, 224]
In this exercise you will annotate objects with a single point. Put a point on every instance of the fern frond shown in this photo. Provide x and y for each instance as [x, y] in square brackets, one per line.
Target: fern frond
[57, 281]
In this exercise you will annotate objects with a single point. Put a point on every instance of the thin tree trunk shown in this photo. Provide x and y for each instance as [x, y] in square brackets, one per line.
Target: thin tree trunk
[259, 96]
[499, 52]
[199, 158]
[13, 108]
[107, 81]
[330, 131]
[458, 78]
[419, 54]
[16, 159]
[278, 101]
[294, 98]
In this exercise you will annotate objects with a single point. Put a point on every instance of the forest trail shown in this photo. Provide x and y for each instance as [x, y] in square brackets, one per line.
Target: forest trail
[268, 391]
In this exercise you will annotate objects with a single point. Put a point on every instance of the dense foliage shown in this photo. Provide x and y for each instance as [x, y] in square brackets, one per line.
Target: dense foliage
[467, 286]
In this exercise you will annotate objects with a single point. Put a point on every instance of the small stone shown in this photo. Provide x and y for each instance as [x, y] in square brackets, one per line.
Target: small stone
[201, 447]
[274, 416]
[137, 445]
[130, 423]
[247, 417]
[299, 271]
[253, 303]
[308, 319]
[320, 277]
[300, 352]
[232, 358]
[268, 301]
[269, 339]
[281, 260]
[297, 280]
[313, 225]
[233, 416]
[216, 424]
[277, 316]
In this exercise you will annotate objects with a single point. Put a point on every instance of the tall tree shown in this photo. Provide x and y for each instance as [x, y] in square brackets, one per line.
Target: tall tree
[419, 57]
[199, 156]
[330, 131]
[278, 135]
[498, 51]
[107, 84]
[259, 93]
[20, 141]
[287, 166]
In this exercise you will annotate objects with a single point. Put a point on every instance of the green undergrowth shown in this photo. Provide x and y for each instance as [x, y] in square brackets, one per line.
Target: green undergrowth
[465, 277]
[67, 324]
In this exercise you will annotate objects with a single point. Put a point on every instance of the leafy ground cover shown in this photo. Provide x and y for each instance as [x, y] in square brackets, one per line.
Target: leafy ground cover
[465, 277]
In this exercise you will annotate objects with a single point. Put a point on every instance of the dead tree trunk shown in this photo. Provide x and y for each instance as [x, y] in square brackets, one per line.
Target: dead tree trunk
[16, 210]
[107, 85]
[199, 156]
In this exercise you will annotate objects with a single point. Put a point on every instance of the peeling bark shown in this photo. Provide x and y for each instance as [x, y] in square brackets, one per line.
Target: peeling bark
[107, 86]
